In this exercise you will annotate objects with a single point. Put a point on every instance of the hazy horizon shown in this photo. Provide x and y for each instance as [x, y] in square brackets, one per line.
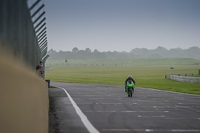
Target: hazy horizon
[127, 51]
[122, 25]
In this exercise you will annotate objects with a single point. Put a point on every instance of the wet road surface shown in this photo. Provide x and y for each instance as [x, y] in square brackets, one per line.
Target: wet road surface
[109, 109]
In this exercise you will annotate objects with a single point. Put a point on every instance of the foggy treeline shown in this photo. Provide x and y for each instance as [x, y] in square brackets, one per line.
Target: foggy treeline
[160, 52]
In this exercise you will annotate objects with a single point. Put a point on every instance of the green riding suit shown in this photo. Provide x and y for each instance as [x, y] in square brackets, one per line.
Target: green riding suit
[129, 80]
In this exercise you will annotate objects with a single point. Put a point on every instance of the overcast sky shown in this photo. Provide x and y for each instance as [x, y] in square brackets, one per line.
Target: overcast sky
[122, 25]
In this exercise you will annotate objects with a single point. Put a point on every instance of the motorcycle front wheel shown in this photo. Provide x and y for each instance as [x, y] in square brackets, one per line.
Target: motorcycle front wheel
[130, 93]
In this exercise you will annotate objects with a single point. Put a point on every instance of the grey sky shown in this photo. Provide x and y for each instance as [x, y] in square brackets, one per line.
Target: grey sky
[122, 25]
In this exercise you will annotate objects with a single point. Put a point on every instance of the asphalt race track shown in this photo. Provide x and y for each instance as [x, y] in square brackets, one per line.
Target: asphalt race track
[109, 110]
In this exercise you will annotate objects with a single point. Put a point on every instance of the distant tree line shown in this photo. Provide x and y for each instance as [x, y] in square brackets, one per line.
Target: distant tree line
[160, 52]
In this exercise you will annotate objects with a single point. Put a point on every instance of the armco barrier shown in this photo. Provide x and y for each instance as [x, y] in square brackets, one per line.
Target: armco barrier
[183, 78]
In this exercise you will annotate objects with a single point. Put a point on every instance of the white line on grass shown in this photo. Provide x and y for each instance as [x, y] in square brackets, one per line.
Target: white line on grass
[84, 119]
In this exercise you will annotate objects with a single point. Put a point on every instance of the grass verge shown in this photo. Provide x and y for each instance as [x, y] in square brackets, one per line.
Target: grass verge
[145, 76]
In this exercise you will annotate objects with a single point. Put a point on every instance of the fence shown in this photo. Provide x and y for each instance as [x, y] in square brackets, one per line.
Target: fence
[37, 13]
[184, 78]
[23, 30]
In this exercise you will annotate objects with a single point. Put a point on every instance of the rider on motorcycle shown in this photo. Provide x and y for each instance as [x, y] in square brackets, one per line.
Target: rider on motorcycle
[129, 79]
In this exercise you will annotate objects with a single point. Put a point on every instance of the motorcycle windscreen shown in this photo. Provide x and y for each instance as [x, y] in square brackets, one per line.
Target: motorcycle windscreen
[129, 83]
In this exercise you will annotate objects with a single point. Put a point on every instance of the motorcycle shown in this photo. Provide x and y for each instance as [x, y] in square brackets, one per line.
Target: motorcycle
[130, 88]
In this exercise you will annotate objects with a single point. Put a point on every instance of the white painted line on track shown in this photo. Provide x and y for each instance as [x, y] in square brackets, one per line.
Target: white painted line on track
[84, 119]
[108, 103]
[116, 103]
[182, 106]
[161, 116]
[104, 98]
[182, 118]
[163, 107]
[144, 111]
[126, 111]
[151, 130]
[118, 130]
[185, 130]
[171, 92]
[100, 111]
[188, 103]
[91, 95]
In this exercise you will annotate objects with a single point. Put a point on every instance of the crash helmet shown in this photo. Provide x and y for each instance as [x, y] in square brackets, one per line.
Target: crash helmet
[129, 76]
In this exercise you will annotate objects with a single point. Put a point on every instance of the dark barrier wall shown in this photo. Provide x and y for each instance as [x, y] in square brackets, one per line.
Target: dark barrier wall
[23, 94]
[17, 33]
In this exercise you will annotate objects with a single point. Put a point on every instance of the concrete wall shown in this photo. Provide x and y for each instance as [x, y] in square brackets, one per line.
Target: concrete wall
[17, 33]
[23, 94]
[24, 98]
[184, 78]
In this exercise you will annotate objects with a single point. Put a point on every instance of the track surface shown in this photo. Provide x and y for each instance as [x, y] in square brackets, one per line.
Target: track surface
[109, 109]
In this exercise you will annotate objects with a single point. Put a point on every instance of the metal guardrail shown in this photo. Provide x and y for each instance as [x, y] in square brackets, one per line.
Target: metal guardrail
[183, 77]
[189, 75]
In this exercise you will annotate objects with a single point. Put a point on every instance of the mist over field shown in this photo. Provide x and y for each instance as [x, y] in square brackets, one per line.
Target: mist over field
[138, 53]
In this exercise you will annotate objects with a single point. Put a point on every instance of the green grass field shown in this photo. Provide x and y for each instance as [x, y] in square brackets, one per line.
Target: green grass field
[124, 62]
[149, 76]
